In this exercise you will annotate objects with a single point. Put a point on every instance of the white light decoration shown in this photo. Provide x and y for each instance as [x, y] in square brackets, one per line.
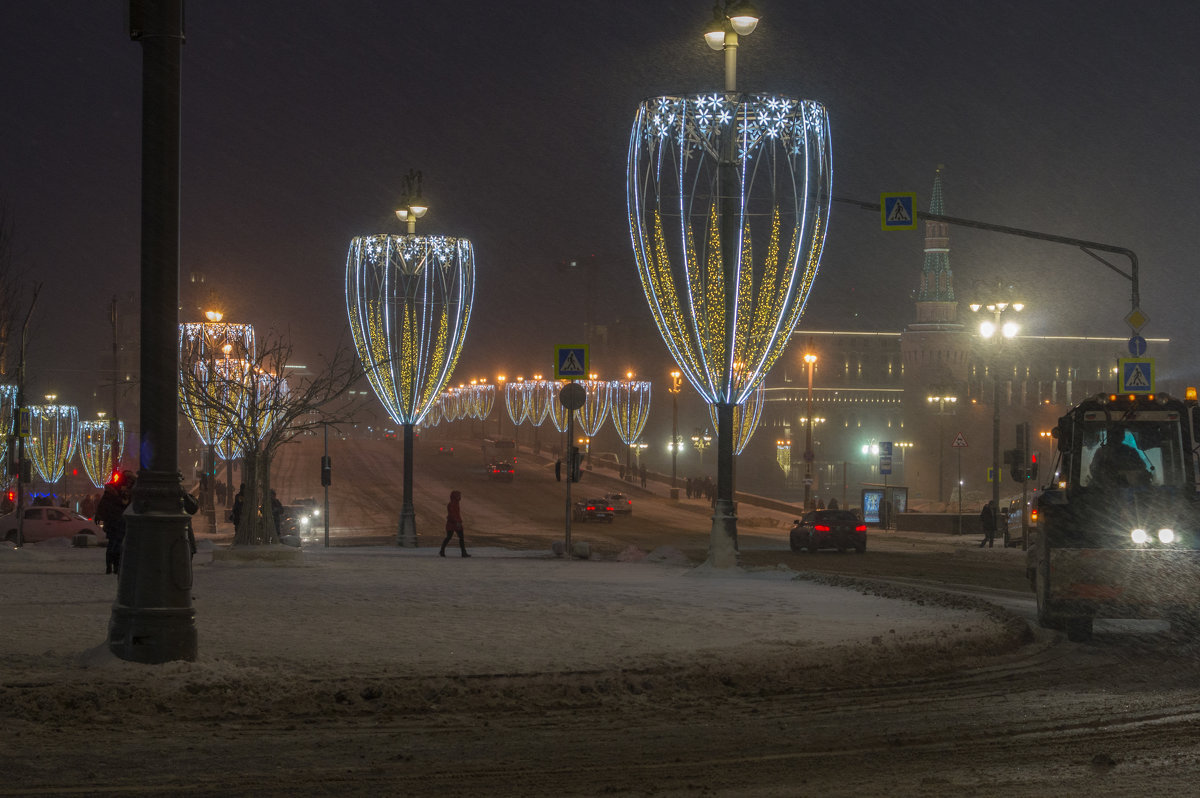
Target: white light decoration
[597, 398]
[95, 448]
[558, 413]
[745, 418]
[630, 408]
[203, 387]
[711, 314]
[541, 395]
[53, 436]
[485, 400]
[409, 298]
[8, 412]
[516, 401]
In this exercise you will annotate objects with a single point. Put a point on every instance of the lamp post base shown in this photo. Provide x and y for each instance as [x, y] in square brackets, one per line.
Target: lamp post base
[407, 535]
[674, 494]
[153, 620]
[722, 543]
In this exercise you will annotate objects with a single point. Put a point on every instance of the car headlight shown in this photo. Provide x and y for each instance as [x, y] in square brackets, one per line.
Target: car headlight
[1166, 535]
[1140, 536]
[303, 520]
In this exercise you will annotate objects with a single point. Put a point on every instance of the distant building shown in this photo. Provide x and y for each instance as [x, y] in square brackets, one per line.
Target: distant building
[926, 387]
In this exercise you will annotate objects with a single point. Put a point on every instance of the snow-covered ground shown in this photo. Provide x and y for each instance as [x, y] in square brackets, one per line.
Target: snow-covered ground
[380, 611]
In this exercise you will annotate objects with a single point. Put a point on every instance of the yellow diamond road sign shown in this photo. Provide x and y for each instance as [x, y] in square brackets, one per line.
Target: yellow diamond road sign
[1136, 319]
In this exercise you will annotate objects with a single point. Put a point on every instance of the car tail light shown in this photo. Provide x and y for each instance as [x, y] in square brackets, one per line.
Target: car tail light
[860, 528]
[821, 528]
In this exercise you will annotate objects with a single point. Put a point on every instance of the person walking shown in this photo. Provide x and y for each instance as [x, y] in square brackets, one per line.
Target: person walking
[987, 520]
[454, 524]
[238, 502]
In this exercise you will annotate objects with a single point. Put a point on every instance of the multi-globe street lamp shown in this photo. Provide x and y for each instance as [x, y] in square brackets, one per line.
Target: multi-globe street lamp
[675, 387]
[995, 330]
[811, 360]
[728, 198]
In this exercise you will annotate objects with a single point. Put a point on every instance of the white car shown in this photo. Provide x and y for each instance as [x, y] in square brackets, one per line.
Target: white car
[43, 523]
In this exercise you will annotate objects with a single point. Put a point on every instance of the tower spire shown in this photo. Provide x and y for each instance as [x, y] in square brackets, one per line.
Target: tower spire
[935, 297]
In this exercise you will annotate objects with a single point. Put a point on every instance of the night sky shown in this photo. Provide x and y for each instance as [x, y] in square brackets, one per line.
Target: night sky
[300, 120]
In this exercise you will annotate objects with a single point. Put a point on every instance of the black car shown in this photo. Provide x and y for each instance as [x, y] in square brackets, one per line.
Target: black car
[593, 510]
[827, 529]
[502, 471]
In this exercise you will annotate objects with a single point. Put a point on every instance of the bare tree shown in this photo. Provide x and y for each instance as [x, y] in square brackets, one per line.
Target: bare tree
[267, 404]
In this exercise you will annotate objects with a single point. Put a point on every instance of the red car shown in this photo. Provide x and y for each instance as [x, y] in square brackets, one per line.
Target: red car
[828, 529]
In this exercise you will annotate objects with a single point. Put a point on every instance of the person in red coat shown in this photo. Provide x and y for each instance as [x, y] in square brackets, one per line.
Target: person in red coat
[454, 524]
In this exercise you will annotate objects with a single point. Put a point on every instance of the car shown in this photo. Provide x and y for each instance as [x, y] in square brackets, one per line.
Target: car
[1010, 522]
[593, 510]
[620, 503]
[826, 529]
[44, 523]
[446, 450]
[502, 471]
[302, 518]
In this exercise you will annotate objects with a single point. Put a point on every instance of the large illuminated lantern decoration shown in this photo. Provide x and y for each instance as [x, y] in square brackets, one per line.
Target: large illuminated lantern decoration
[728, 198]
[8, 415]
[205, 392]
[558, 412]
[630, 410]
[53, 436]
[96, 448]
[516, 402]
[409, 299]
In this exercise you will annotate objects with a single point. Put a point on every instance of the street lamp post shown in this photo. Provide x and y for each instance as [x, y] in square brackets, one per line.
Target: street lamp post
[941, 414]
[676, 387]
[995, 330]
[811, 360]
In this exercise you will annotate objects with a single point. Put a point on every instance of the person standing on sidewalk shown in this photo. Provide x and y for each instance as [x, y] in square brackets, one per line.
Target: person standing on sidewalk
[454, 524]
[987, 520]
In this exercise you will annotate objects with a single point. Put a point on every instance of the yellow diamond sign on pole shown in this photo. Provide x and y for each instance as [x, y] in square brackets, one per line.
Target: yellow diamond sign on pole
[1136, 319]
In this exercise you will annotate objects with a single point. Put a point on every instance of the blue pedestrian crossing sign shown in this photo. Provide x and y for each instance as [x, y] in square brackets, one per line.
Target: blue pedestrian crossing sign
[897, 211]
[570, 362]
[1135, 375]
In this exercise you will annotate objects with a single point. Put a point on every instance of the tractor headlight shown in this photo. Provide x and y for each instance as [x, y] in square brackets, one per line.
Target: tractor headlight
[1140, 536]
[1166, 535]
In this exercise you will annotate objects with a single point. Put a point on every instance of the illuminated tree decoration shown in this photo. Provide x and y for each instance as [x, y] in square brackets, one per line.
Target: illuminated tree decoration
[745, 418]
[8, 412]
[516, 400]
[630, 408]
[597, 398]
[53, 436]
[95, 448]
[712, 314]
[203, 388]
[409, 301]
[228, 449]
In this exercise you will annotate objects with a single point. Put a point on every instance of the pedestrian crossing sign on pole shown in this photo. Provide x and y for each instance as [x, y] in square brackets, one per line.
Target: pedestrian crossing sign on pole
[1135, 375]
[897, 211]
[570, 362]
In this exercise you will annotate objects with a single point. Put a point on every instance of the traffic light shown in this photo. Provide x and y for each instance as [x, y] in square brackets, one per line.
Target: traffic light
[1033, 466]
[326, 470]
[1015, 460]
[576, 462]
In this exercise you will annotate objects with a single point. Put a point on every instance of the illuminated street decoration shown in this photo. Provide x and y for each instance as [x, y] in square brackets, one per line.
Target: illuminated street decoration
[745, 418]
[8, 411]
[228, 449]
[53, 436]
[516, 401]
[597, 398]
[542, 394]
[204, 391]
[630, 408]
[783, 455]
[96, 449]
[485, 400]
[409, 301]
[557, 412]
[712, 314]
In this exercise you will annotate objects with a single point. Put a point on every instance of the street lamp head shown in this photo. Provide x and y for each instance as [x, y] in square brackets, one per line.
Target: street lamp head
[1018, 306]
[213, 315]
[987, 329]
[743, 16]
[1009, 330]
[975, 306]
[810, 358]
[714, 34]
